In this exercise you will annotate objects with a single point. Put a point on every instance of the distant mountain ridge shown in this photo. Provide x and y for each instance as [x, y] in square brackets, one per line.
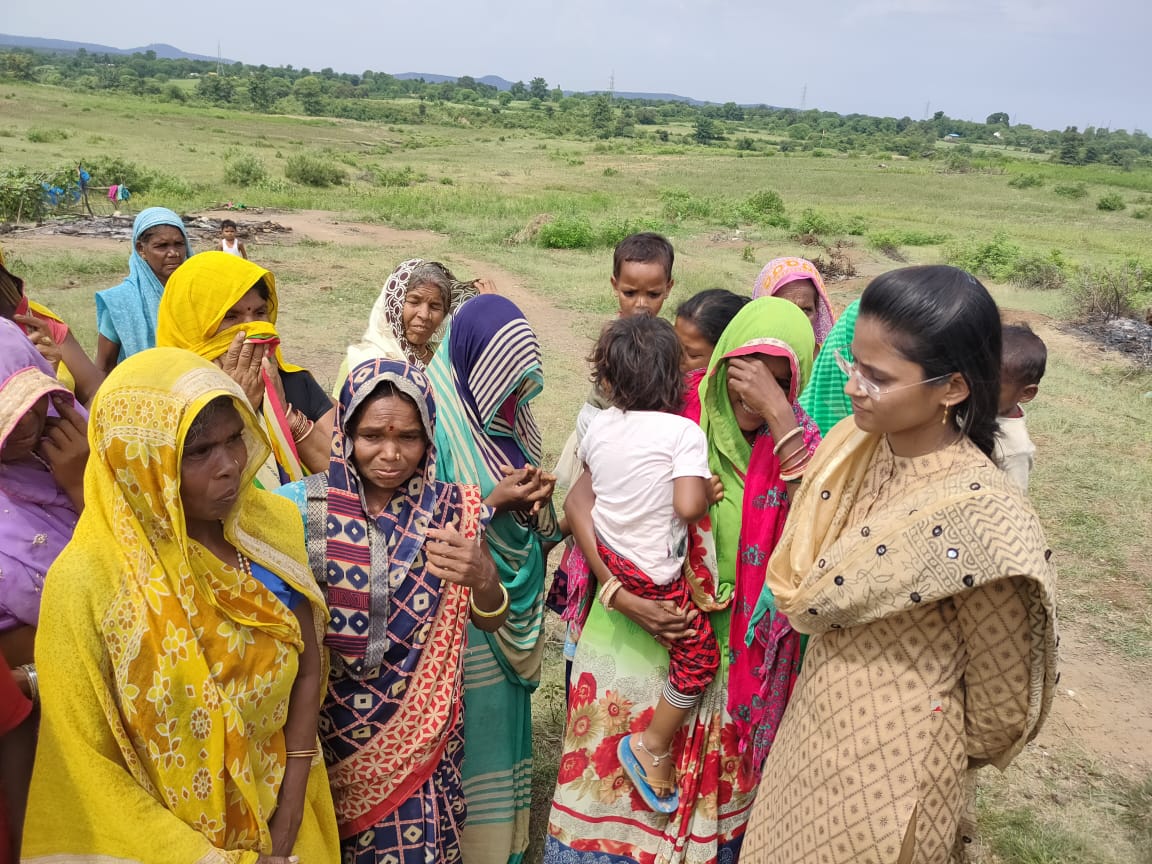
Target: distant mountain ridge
[168, 52]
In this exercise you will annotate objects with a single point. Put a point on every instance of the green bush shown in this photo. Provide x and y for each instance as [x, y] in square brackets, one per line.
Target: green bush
[1026, 181]
[46, 136]
[680, 205]
[1077, 191]
[1142, 213]
[244, 169]
[896, 237]
[395, 178]
[815, 222]
[107, 170]
[313, 170]
[567, 232]
[613, 231]
[995, 258]
[1111, 203]
[762, 204]
[1099, 294]
[1042, 272]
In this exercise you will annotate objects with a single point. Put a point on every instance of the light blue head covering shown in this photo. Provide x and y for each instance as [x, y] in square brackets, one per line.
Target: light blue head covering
[127, 313]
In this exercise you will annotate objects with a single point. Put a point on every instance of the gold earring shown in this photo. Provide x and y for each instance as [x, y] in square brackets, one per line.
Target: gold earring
[944, 421]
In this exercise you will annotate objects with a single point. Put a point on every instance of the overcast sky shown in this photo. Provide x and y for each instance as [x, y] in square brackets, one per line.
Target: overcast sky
[1050, 63]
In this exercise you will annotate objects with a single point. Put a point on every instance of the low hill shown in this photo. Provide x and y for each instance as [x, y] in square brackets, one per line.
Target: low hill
[65, 46]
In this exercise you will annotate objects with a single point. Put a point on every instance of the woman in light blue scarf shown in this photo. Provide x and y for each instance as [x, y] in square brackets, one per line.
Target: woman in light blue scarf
[126, 314]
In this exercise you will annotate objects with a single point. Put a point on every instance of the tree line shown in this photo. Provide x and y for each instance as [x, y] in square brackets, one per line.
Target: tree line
[378, 96]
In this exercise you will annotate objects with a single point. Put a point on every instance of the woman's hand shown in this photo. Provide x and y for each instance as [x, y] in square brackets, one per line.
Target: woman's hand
[485, 286]
[39, 336]
[753, 383]
[663, 619]
[456, 558]
[243, 363]
[524, 489]
[65, 448]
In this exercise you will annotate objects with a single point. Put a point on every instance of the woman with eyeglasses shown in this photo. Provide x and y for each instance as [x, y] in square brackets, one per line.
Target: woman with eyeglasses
[922, 579]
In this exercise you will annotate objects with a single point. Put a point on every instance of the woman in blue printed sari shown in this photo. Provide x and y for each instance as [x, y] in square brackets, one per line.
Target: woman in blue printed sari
[485, 374]
[397, 550]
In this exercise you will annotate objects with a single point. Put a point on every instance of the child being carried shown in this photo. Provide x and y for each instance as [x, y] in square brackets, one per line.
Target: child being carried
[650, 476]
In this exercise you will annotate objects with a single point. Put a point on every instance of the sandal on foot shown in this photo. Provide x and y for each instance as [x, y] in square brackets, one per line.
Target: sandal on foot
[668, 804]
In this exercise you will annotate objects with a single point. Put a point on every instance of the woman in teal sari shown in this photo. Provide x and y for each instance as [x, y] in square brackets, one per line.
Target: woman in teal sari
[485, 374]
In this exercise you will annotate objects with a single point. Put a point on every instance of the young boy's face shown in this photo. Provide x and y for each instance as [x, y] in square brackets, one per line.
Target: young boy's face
[229, 233]
[641, 288]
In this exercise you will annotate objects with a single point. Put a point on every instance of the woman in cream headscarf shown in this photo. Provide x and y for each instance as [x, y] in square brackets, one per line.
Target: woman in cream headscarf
[177, 650]
[224, 309]
[408, 318]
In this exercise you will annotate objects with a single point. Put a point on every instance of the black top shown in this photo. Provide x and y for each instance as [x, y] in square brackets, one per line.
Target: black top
[302, 391]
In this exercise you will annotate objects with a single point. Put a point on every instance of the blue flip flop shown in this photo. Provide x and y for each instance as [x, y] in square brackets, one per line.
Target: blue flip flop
[639, 778]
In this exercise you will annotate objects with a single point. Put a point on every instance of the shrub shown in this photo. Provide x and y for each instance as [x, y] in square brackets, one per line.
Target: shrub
[1026, 181]
[1077, 191]
[46, 136]
[398, 177]
[762, 204]
[613, 231]
[567, 232]
[1041, 272]
[896, 237]
[1099, 294]
[106, 170]
[995, 258]
[815, 222]
[1111, 203]
[244, 169]
[680, 205]
[313, 170]
[1142, 213]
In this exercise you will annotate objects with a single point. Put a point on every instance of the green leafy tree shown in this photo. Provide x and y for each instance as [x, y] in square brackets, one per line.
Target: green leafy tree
[705, 131]
[1000, 118]
[1070, 147]
[260, 92]
[309, 94]
[538, 89]
[601, 117]
[519, 91]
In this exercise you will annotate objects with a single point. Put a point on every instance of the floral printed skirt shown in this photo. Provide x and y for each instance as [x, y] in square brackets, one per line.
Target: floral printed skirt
[597, 816]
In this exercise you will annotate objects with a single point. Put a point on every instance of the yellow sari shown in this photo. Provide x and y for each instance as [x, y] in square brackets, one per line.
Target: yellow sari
[165, 674]
[196, 299]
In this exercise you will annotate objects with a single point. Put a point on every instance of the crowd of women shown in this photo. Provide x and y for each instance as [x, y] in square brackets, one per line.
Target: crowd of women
[249, 622]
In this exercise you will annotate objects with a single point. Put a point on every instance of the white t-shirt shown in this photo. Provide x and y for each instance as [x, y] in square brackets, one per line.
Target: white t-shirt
[1015, 453]
[634, 456]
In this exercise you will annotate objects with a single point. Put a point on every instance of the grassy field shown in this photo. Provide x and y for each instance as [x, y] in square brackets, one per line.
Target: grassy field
[1083, 792]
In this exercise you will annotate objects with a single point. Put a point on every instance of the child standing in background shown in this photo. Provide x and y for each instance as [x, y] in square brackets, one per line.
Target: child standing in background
[228, 241]
[650, 475]
[1024, 359]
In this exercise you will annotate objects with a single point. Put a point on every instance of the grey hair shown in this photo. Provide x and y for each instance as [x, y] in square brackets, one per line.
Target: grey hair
[432, 273]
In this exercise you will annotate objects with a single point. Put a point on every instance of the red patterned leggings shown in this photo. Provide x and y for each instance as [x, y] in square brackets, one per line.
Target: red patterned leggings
[692, 660]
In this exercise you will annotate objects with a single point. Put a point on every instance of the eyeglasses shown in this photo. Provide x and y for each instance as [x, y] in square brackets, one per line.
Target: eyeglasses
[871, 388]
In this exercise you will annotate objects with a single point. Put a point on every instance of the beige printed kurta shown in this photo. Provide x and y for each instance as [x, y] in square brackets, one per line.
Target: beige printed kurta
[894, 705]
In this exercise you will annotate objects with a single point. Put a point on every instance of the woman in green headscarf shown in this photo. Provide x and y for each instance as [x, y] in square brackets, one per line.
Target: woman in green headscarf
[758, 440]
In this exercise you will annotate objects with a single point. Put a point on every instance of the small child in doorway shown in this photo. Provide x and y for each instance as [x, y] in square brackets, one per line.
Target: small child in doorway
[1024, 358]
[228, 241]
[650, 478]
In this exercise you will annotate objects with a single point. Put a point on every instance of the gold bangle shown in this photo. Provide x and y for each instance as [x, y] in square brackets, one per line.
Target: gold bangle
[480, 613]
[606, 590]
[799, 430]
[610, 595]
[302, 754]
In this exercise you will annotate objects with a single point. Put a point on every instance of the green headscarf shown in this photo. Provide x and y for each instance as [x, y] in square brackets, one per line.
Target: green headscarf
[824, 398]
[767, 325]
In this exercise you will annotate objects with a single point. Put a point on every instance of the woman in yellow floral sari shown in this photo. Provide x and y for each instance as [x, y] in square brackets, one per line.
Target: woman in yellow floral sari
[170, 664]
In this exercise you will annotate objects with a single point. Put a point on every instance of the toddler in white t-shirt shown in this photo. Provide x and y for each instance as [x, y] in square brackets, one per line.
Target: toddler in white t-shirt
[650, 476]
